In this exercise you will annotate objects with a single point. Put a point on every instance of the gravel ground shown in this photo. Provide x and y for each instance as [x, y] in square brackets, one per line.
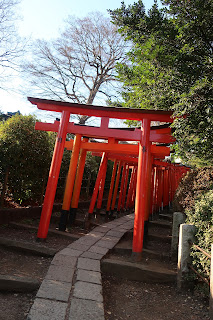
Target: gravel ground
[15, 306]
[125, 299]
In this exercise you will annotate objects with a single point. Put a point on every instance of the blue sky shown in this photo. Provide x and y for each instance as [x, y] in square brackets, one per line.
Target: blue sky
[43, 19]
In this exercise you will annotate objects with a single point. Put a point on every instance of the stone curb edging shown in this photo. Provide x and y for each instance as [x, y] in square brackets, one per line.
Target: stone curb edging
[72, 288]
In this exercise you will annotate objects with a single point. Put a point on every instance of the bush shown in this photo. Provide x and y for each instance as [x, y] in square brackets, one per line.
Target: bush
[26, 154]
[202, 219]
[194, 184]
[194, 197]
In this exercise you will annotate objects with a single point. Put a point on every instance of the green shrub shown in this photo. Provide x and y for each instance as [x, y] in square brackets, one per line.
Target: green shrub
[26, 154]
[202, 218]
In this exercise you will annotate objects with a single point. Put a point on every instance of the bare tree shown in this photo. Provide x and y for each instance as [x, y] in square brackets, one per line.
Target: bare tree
[80, 65]
[11, 46]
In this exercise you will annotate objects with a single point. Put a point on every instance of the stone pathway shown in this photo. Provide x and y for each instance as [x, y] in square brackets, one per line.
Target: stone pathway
[72, 288]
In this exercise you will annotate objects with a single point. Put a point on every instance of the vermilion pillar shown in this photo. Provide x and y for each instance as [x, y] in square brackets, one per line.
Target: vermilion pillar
[129, 194]
[160, 189]
[53, 176]
[71, 173]
[79, 177]
[101, 188]
[132, 200]
[148, 193]
[102, 167]
[141, 192]
[121, 187]
[166, 188]
[111, 186]
[169, 181]
[116, 186]
[157, 174]
[70, 183]
[152, 191]
[172, 183]
[78, 182]
[155, 190]
[125, 188]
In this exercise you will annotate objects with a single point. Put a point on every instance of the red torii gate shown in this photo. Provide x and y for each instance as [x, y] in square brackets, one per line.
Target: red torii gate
[144, 154]
[123, 153]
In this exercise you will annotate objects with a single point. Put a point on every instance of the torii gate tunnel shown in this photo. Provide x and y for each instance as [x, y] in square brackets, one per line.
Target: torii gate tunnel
[150, 180]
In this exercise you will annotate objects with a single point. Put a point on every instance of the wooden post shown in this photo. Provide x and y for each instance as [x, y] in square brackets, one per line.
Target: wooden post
[77, 185]
[101, 188]
[116, 186]
[130, 189]
[97, 183]
[141, 192]
[79, 177]
[125, 188]
[132, 201]
[160, 189]
[121, 187]
[53, 176]
[111, 186]
[70, 183]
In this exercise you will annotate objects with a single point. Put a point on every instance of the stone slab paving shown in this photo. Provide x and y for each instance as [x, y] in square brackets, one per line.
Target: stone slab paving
[88, 276]
[86, 310]
[88, 291]
[54, 290]
[89, 264]
[44, 309]
[72, 288]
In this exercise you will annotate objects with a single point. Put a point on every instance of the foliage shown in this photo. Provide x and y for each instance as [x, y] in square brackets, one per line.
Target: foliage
[91, 165]
[192, 186]
[194, 197]
[170, 67]
[202, 218]
[27, 154]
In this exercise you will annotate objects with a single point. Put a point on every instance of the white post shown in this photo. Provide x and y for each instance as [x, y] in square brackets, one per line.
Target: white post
[178, 219]
[186, 234]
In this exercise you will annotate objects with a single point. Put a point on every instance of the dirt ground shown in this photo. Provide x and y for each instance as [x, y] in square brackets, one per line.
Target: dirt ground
[125, 299]
[15, 306]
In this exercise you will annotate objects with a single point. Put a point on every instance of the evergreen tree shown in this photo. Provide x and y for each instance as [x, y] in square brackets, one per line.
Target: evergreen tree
[170, 67]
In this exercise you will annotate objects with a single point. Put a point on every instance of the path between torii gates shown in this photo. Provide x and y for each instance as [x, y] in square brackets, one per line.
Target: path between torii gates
[74, 289]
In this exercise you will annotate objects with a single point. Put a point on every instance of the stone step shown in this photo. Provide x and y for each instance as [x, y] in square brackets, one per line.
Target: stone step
[50, 231]
[125, 248]
[151, 236]
[159, 238]
[27, 247]
[138, 271]
[18, 284]
[164, 216]
[159, 223]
